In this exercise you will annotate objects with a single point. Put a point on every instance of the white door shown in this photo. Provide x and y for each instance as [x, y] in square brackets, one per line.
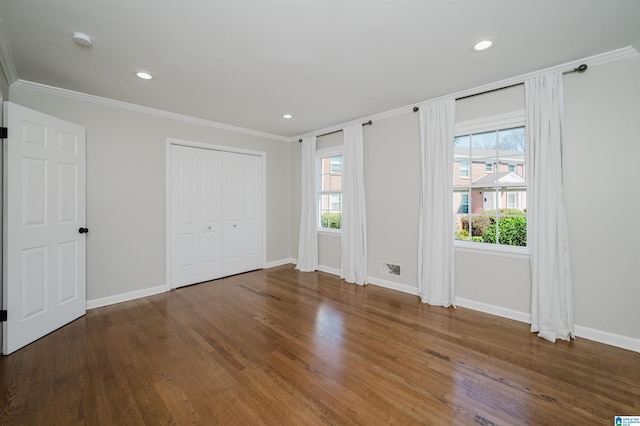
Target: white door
[216, 214]
[196, 241]
[242, 213]
[44, 225]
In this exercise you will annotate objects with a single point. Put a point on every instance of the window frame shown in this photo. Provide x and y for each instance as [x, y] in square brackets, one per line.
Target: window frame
[481, 125]
[320, 154]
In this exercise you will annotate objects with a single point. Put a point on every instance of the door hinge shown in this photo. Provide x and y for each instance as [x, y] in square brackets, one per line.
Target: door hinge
[3, 132]
[3, 316]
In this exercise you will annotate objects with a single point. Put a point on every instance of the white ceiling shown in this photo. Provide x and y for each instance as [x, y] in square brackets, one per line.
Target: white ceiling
[247, 62]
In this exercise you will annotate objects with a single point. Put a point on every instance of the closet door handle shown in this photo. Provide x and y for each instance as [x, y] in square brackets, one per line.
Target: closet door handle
[83, 230]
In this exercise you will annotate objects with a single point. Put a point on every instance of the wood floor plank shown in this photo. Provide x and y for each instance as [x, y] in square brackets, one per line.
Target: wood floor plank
[281, 347]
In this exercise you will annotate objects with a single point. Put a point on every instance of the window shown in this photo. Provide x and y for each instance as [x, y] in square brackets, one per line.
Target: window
[489, 195]
[464, 203]
[330, 189]
[464, 169]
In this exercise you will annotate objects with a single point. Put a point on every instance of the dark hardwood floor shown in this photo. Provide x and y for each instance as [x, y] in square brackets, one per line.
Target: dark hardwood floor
[280, 347]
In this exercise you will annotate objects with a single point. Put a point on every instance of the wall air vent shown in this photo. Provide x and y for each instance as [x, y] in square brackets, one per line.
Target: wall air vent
[389, 268]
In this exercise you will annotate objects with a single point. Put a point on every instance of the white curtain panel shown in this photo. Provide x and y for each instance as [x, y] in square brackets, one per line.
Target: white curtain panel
[552, 295]
[353, 267]
[436, 280]
[308, 239]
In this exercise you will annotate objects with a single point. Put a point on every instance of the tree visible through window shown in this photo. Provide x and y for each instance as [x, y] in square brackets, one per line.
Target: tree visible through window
[330, 193]
[489, 203]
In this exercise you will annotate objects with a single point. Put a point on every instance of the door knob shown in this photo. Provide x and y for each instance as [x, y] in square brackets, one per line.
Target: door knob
[83, 230]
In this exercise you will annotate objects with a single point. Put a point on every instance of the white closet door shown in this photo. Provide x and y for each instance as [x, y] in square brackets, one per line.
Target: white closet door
[196, 241]
[242, 213]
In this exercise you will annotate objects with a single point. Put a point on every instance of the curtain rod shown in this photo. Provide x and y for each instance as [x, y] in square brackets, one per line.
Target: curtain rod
[582, 68]
[336, 131]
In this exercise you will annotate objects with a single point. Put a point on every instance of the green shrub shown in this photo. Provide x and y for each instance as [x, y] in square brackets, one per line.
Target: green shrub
[331, 220]
[505, 212]
[479, 224]
[462, 234]
[511, 231]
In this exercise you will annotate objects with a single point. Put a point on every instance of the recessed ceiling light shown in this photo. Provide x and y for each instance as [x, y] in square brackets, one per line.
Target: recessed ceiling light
[82, 39]
[287, 116]
[482, 45]
[143, 75]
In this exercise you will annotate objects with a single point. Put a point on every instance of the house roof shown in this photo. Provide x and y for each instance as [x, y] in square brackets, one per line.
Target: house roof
[246, 63]
[502, 177]
[488, 155]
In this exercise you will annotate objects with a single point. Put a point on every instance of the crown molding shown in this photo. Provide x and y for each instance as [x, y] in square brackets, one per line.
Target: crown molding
[7, 65]
[83, 97]
[603, 58]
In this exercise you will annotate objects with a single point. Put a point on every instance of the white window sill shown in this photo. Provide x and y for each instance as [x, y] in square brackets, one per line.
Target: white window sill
[492, 249]
[334, 232]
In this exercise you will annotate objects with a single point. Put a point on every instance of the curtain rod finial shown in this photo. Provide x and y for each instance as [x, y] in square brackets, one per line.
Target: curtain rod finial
[581, 68]
[416, 109]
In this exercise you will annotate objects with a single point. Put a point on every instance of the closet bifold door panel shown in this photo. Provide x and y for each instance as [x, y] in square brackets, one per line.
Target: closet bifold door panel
[196, 212]
[216, 214]
[241, 213]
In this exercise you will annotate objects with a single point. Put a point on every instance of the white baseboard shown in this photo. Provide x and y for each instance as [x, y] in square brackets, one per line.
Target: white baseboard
[280, 262]
[494, 310]
[329, 270]
[599, 336]
[393, 285]
[605, 337]
[125, 297]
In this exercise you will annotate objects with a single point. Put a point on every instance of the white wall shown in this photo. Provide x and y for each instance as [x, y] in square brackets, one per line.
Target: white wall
[602, 157]
[602, 117]
[126, 188]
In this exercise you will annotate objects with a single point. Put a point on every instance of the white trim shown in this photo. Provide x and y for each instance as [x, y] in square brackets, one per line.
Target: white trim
[403, 288]
[329, 270]
[330, 231]
[329, 152]
[491, 249]
[280, 262]
[607, 338]
[42, 88]
[494, 310]
[591, 61]
[202, 145]
[125, 297]
[7, 65]
[599, 336]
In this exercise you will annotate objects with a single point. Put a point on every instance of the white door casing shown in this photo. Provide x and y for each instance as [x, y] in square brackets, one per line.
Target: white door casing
[44, 254]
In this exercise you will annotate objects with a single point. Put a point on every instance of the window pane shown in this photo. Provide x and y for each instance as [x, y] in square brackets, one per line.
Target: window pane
[489, 195]
[330, 196]
[336, 182]
[336, 164]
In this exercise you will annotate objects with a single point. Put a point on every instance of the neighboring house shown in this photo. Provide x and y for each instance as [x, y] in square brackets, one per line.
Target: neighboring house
[490, 179]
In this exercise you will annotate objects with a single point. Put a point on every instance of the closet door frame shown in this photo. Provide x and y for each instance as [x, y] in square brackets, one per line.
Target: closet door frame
[221, 148]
